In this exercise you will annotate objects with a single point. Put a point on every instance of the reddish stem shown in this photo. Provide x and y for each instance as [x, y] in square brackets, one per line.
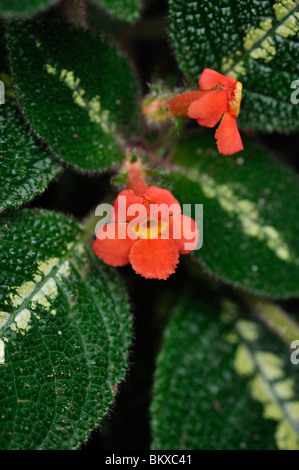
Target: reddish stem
[136, 178]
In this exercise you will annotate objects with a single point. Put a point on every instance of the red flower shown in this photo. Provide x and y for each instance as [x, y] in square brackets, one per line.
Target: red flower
[218, 97]
[151, 243]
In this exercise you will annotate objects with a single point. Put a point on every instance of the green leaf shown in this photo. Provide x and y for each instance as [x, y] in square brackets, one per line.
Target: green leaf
[9, 8]
[250, 207]
[65, 331]
[128, 10]
[26, 170]
[255, 42]
[223, 381]
[77, 91]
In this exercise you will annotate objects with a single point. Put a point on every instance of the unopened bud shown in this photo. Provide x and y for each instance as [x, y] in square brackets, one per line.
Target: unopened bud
[155, 109]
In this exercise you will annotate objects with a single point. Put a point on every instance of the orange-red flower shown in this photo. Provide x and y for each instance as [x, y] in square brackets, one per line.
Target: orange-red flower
[219, 97]
[151, 243]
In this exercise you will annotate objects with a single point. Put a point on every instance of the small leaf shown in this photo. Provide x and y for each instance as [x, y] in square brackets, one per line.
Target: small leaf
[128, 10]
[250, 206]
[77, 91]
[9, 8]
[65, 331]
[255, 42]
[26, 170]
[223, 381]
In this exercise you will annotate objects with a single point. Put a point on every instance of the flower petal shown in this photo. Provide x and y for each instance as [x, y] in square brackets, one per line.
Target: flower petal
[120, 206]
[155, 195]
[210, 78]
[209, 108]
[228, 137]
[184, 232]
[178, 105]
[154, 258]
[113, 250]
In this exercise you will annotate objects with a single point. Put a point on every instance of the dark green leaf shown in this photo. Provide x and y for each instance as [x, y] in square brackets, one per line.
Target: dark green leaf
[250, 213]
[201, 397]
[26, 169]
[255, 42]
[9, 8]
[77, 91]
[65, 331]
[128, 10]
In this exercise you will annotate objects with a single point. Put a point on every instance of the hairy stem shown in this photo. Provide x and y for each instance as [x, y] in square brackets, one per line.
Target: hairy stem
[76, 13]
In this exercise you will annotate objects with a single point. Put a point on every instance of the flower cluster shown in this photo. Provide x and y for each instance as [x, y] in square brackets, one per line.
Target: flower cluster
[153, 240]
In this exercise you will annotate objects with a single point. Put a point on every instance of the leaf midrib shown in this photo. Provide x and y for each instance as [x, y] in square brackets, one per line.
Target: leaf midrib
[246, 53]
[80, 238]
[271, 389]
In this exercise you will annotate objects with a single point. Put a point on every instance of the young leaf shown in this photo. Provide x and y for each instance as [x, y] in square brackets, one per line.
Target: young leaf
[255, 42]
[26, 170]
[128, 10]
[78, 92]
[223, 381]
[9, 8]
[250, 206]
[65, 331]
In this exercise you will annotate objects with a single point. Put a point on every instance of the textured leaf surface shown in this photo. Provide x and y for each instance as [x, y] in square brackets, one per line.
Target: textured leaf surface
[255, 41]
[250, 207]
[25, 169]
[128, 10]
[78, 92]
[10, 8]
[223, 382]
[64, 333]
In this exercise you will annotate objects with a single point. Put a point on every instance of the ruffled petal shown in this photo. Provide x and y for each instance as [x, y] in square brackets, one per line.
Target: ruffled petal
[155, 195]
[178, 105]
[210, 78]
[228, 137]
[209, 108]
[121, 206]
[154, 258]
[184, 232]
[113, 250]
